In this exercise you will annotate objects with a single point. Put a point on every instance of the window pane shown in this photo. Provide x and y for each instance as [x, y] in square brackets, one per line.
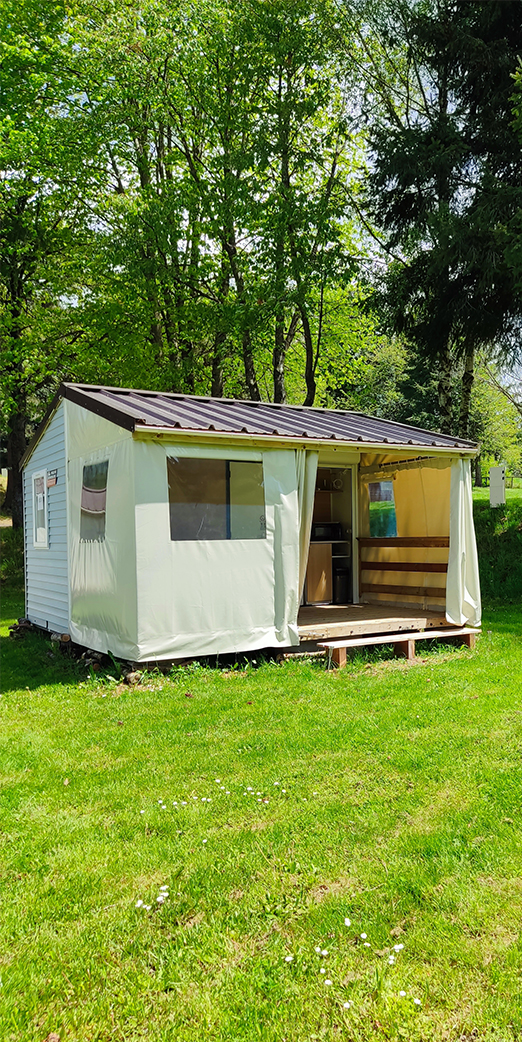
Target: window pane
[247, 501]
[216, 499]
[40, 520]
[383, 522]
[198, 498]
[93, 502]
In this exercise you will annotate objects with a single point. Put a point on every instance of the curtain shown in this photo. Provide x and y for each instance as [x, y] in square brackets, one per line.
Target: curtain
[306, 469]
[463, 586]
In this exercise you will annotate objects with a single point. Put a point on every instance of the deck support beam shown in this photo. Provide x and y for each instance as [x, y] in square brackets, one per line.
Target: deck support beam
[404, 649]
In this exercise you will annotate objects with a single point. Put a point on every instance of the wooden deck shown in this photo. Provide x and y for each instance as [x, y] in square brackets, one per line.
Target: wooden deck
[330, 621]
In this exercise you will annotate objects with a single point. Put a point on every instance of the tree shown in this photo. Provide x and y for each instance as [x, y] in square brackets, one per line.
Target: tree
[442, 150]
[226, 134]
[39, 212]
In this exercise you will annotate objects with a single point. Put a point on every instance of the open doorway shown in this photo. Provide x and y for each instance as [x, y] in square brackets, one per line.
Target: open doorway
[329, 575]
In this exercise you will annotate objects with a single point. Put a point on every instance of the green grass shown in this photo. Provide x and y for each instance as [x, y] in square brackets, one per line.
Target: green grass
[401, 813]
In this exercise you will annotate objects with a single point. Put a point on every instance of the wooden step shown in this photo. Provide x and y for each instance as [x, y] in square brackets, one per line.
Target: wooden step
[404, 642]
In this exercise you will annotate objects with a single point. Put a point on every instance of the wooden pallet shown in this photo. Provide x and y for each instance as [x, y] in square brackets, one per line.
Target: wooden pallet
[404, 644]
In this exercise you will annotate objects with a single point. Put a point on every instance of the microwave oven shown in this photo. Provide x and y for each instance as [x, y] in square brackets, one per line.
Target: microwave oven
[326, 531]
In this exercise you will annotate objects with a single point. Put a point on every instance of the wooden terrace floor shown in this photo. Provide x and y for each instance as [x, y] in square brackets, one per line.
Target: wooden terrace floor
[330, 621]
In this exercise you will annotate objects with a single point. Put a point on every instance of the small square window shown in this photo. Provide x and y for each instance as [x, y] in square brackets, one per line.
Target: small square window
[216, 499]
[40, 530]
[94, 498]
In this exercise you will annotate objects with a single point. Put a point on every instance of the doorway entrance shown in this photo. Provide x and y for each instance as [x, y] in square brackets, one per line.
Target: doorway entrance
[329, 575]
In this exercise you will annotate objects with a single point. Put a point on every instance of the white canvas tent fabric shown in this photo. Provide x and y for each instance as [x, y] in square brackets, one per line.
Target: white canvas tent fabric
[463, 604]
[209, 597]
[306, 468]
[103, 596]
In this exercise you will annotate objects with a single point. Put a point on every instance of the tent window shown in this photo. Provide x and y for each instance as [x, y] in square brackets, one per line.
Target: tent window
[216, 499]
[383, 522]
[94, 496]
[40, 533]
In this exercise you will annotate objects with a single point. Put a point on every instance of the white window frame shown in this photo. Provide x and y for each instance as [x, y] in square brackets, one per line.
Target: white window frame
[40, 544]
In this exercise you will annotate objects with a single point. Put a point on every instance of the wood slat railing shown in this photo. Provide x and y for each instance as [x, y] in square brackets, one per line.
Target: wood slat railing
[438, 592]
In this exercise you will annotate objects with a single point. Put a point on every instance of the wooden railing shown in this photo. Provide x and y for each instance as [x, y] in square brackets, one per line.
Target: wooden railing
[439, 541]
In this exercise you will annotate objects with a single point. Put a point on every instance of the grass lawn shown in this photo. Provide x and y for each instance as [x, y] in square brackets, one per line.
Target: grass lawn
[398, 808]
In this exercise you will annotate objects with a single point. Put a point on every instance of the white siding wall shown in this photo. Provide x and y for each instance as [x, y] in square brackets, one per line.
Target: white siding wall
[46, 570]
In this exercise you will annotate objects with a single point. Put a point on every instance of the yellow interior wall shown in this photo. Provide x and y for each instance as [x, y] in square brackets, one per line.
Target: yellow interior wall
[422, 508]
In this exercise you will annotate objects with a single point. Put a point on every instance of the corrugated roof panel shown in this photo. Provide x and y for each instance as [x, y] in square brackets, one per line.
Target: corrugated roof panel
[193, 413]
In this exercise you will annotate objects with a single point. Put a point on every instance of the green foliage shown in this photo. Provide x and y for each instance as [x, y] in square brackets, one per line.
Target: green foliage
[12, 557]
[445, 182]
[496, 423]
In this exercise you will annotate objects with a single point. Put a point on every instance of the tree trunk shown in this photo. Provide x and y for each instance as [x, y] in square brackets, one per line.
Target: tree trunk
[217, 364]
[478, 473]
[445, 402]
[230, 249]
[16, 445]
[309, 365]
[279, 359]
[250, 372]
[468, 377]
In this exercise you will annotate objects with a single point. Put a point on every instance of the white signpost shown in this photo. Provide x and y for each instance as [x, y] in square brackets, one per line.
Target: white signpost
[497, 486]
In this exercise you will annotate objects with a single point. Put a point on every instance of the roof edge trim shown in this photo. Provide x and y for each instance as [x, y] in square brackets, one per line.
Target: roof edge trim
[141, 430]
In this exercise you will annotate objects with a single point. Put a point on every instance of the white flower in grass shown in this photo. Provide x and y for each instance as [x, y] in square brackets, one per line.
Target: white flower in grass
[258, 793]
[147, 907]
[221, 786]
[324, 952]
[139, 903]
[391, 960]
[347, 1005]
[174, 803]
[402, 994]
[277, 783]
[318, 950]
[160, 899]
[227, 793]
[142, 812]
[417, 1002]
[364, 936]
[183, 803]
[315, 794]
[347, 922]
[249, 788]
[164, 888]
[163, 807]
[283, 790]
[289, 958]
[259, 800]
[398, 947]
[327, 981]
[194, 797]
[366, 944]
[322, 970]
[245, 794]
[218, 781]
[205, 840]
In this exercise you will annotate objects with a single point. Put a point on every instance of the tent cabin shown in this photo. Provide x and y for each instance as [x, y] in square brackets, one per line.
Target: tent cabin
[163, 526]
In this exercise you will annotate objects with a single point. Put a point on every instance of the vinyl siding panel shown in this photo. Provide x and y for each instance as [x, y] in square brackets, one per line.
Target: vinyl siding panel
[47, 576]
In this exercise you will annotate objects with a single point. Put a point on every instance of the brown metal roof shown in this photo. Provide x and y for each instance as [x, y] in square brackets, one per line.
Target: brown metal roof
[134, 409]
